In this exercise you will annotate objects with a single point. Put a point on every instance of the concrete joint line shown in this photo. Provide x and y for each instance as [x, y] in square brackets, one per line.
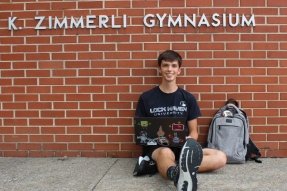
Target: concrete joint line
[94, 188]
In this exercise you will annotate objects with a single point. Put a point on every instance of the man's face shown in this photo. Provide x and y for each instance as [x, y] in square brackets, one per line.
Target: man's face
[169, 70]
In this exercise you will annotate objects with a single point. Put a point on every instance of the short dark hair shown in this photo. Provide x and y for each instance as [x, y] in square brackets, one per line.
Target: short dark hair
[232, 101]
[169, 55]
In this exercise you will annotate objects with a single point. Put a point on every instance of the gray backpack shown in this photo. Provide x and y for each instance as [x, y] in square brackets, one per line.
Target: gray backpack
[229, 133]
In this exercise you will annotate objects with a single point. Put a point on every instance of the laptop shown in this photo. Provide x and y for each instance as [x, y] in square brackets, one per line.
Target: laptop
[164, 131]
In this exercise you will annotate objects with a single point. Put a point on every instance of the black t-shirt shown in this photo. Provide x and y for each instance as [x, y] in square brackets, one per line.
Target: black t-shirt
[156, 103]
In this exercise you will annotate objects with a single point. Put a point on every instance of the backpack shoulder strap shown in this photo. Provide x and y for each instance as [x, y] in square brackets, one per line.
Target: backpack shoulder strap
[253, 152]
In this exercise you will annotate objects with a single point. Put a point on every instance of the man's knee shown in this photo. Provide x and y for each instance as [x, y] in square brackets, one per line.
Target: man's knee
[163, 152]
[222, 158]
[212, 160]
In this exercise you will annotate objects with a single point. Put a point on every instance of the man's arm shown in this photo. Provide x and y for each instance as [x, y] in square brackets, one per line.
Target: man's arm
[192, 126]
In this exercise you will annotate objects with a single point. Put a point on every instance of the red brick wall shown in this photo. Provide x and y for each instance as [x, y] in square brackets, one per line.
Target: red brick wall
[72, 92]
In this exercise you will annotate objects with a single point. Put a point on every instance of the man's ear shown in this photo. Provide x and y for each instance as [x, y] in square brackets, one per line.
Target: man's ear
[179, 71]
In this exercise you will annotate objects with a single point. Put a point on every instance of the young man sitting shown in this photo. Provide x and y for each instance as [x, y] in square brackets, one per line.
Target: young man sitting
[178, 164]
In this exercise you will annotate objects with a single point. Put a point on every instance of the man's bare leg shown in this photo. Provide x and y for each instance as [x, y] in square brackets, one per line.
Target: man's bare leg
[166, 158]
[212, 160]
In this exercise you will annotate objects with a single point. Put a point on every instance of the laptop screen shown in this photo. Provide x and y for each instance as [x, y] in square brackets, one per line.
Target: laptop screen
[164, 131]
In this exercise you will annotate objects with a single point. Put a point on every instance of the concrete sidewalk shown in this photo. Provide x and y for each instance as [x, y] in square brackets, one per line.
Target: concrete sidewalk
[91, 174]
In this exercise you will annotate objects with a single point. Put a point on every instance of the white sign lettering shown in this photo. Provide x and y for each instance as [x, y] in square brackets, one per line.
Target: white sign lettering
[149, 20]
[11, 25]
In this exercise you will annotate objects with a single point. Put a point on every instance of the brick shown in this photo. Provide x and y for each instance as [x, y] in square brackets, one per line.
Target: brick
[225, 71]
[276, 88]
[127, 80]
[7, 146]
[15, 138]
[129, 97]
[15, 154]
[40, 105]
[55, 146]
[129, 47]
[67, 138]
[184, 46]
[117, 55]
[93, 138]
[105, 130]
[41, 138]
[265, 80]
[276, 137]
[79, 130]
[99, 47]
[226, 37]
[80, 146]
[143, 38]
[264, 96]
[26, 114]
[120, 138]
[41, 153]
[126, 113]
[76, 64]
[89, 72]
[118, 105]
[63, 5]
[67, 122]
[276, 120]
[213, 46]
[29, 146]
[49, 48]
[12, 6]
[197, 3]
[246, 3]
[76, 81]
[15, 122]
[211, 80]
[52, 114]
[252, 71]
[78, 113]
[14, 105]
[6, 130]
[117, 4]
[266, 29]
[12, 73]
[51, 81]
[41, 122]
[238, 80]
[225, 88]
[278, 3]
[89, 5]
[119, 121]
[38, 89]
[283, 145]
[144, 72]
[91, 105]
[104, 113]
[38, 73]
[27, 130]
[107, 147]
[265, 11]
[6, 114]
[103, 64]
[25, 81]
[24, 97]
[78, 97]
